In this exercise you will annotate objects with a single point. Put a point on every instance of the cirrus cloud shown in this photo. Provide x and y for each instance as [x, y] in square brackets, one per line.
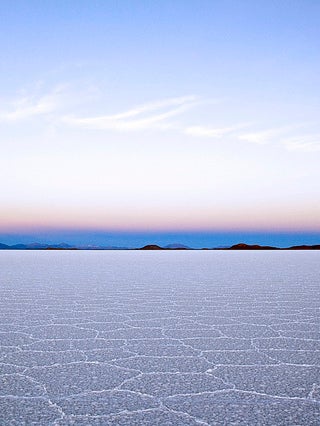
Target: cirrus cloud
[146, 116]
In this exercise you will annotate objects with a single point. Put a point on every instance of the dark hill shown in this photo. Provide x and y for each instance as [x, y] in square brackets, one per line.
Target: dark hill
[151, 247]
[242, 246]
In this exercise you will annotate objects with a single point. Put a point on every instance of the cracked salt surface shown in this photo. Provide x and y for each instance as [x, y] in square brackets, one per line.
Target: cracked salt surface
[159, 338]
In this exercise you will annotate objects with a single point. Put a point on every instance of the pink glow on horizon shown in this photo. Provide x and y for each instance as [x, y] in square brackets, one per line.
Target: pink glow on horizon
[254, 219]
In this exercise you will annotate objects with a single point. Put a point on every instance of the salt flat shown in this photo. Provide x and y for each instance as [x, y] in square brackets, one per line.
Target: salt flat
[159, 338]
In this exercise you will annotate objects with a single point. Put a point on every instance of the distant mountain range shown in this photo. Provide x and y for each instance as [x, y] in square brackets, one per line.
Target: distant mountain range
[64, 246]
[177, 247]
[242, 246]
[61, 246]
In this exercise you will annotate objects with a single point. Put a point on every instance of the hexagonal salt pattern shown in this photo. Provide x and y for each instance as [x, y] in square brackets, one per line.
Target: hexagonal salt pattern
[159, 338]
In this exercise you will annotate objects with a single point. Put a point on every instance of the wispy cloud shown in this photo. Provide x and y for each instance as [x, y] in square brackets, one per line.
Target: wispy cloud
[274, 134]
[28, 106]
[146, 116]
[52, 106]
[212, 132]
[39, 103]
[25, 108]
[306, 143]
[283, 136]
[261, 137]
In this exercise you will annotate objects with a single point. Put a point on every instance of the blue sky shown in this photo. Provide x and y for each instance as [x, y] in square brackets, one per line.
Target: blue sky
[186, 117]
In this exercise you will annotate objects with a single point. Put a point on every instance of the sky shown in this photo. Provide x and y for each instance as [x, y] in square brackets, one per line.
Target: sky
[123, 122]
